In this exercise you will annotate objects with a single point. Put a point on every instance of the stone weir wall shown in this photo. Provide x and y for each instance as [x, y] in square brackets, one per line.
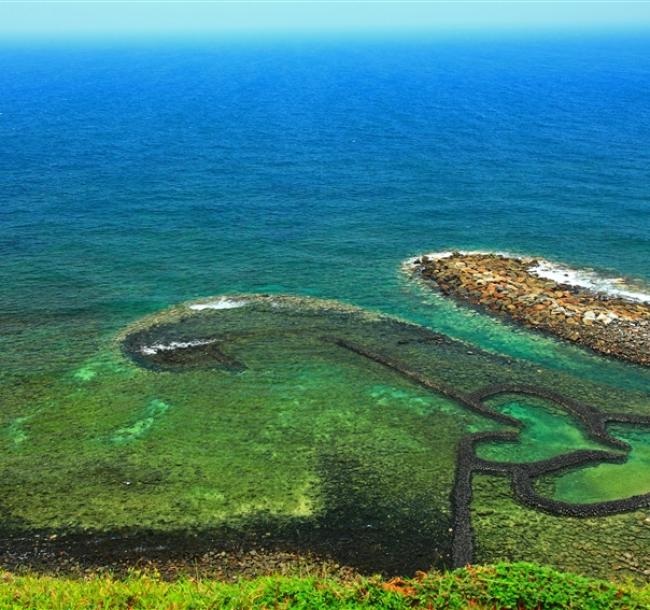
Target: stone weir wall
[506, 286]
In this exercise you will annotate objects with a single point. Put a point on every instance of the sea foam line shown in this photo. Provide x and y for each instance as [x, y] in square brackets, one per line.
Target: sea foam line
[590, 280]
[151, 350]
[222, 303]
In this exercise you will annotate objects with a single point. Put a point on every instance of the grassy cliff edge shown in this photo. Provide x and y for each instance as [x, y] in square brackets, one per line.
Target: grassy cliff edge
[504, 586]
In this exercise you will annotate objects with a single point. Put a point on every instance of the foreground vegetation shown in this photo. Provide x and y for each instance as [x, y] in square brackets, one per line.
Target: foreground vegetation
[518, 586]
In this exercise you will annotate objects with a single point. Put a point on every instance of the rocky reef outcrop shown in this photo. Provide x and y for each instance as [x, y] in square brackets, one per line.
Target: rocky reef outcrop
[508, 286]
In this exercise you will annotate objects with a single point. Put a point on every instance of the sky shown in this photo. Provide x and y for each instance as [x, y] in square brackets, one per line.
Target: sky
[123, 18]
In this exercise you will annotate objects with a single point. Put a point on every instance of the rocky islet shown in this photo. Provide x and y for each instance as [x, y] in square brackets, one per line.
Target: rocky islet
[507, 286]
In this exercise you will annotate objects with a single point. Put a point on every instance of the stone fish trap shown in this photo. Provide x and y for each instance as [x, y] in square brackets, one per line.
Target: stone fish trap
[171, 347]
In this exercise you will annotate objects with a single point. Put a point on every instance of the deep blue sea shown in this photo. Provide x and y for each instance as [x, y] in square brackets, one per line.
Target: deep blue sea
[135, 176]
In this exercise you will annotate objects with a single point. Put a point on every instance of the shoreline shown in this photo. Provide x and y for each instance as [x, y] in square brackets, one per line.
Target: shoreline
[532, 292]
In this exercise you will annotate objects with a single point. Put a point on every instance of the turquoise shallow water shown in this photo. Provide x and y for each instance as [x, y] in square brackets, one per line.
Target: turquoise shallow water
[137, 177]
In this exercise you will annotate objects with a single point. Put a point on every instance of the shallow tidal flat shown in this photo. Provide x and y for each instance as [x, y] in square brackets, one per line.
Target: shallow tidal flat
[272, 424]
[512, 287]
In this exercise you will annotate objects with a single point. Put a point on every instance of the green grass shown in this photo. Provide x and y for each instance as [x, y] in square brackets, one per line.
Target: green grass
[518, 586]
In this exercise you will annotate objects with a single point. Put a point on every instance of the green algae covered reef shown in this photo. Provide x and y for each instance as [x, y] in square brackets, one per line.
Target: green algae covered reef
[268, 425]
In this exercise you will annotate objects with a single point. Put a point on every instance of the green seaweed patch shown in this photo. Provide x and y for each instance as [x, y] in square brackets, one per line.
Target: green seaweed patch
[547, 431]
[155, 409]
[105, 363]
[609, 481]
[85, 373]
[598, 546]
[16, 430]
[338, 433]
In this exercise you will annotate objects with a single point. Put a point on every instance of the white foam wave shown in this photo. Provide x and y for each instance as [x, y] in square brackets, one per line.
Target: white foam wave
[590, 280]
[562, 274]
[151, 350]
[222, 303]
[412, 263]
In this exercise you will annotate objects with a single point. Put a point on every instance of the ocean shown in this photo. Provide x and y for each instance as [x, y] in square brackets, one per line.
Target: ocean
[135, 176]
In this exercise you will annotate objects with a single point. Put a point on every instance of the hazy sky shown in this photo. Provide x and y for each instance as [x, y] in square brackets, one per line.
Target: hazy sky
[153, 17]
